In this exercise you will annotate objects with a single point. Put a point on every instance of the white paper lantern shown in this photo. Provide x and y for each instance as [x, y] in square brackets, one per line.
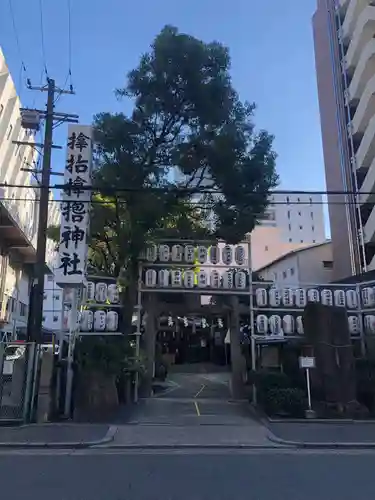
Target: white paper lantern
[339, 297]
[313, 295]
[202, 254]
[351, 299]
[353, 322]
[90, 291]
[150, 278]
[327, 297]
[261, 297]
[214, 254]
[299, 325]
[163, 278]
[152, 253]
[369, 322]
[86, 320]
[368, 297]
[240, 280]
[164, 253]
[239, 255]
[113, 293]
[262, 324]
[112, 321]
[288, 297]
[228, 280]
[301, 297]
[176, 278]
[177, 253]
[189, 254]
[99, 321]
[189, 279]
[227, 255]
[202, 279]
[275, 325]
[275, 297]
[101, 292]
[214, 279]
[288, 324]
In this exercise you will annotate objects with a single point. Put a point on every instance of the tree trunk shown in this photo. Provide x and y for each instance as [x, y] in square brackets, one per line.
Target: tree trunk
[238, 361]
[150, 341]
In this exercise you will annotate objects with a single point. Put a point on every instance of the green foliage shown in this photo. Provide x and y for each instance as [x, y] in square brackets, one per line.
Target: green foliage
[266, 380]
[289, 401]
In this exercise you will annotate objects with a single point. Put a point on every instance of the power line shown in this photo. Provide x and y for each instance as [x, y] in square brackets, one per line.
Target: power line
[70, 40]
[18, 44]
[42, 37]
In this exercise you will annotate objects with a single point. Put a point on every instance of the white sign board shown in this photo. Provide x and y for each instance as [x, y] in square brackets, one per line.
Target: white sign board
[75, 207]
[306, 362]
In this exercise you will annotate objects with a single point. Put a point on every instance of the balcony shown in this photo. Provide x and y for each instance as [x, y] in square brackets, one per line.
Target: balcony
[366, 108]
[368, 186]
[363, 32]
[364, 70]
[366, 150]
[354, 8]
[369, 229]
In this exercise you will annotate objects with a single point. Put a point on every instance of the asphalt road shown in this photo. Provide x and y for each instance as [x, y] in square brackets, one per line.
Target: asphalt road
[261, 475]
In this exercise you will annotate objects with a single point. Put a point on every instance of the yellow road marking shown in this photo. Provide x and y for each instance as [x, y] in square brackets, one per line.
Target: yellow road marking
[200, 390]
[197, 409]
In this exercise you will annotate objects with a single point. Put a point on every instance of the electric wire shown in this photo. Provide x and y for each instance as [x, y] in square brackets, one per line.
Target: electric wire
[42, 36]
[17, 39]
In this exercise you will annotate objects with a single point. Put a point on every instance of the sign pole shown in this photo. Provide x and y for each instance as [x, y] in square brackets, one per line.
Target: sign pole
[308, 388]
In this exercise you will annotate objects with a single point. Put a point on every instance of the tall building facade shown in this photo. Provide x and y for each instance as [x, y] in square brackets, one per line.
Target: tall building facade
[344, 32]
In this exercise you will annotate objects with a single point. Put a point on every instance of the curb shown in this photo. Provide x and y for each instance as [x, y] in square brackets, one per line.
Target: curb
[321, 446]
[108, 438]
[190, 447]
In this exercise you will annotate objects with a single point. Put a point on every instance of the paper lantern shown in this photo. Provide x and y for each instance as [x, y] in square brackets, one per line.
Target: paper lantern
[202, 254]
[202, 279]
[299, 325]
[313, 295]
[150, 278]
[240, 280]
[99, 321]
[339, 298]
[163, 278]
[113, 294]
[351, 299]
[327, 297]
[214, 254]
[288, 297]
[90, 291]
[164, 253]
[262, 324]
[152, 253]
[214, 279]
[189, 279]
[228, 280]
[368, 297]
[239, 255]
[86, 320]
[275, 297]
[300, 297]
[369, 323]
[227, 255]
[177, 253]
[275, 325]
[176, 278]
[354, 327]
[112, 321]
[288, 324]
[100, 292]
[261, 297]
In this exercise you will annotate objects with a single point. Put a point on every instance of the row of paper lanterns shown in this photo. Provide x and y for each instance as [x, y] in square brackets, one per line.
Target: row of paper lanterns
[201, 254]
[99, 321]
[178, 278]
[101, 292]
[289, 297]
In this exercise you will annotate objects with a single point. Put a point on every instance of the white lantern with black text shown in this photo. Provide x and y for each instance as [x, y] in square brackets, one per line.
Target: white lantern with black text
[189, 279]
[300, 297]
[368, 297]
[353, 322]
[227, 255]
[327, 297]
[176, 278]
[275, 325]
[87, 320]
[240, 280]
[288, 297]
[177, 253]
[288, 324]
[351, 299]
[214, 254]
[113, 293]
[339, 296]
[202, 254]
[99, 321]
[202, 279]
[313, 295]
[152, 253]
[163, 278]
[299, 325]
[112, 321]
[214, 279]
[369, 322]
[262, 324]
[275, 297]
[150, 278]
[228, 280]
[261, 297]
[239, 255]
[189, 254]
[164, 253]
[100, 292]
[90, 291]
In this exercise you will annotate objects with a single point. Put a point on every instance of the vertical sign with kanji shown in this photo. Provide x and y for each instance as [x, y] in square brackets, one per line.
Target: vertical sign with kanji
[75, 207]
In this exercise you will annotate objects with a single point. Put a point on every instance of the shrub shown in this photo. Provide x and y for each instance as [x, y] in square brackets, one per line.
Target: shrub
[288, 401]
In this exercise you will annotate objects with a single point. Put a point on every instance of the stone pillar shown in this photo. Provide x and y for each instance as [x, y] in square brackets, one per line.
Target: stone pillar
[238, 361]
[150, 340]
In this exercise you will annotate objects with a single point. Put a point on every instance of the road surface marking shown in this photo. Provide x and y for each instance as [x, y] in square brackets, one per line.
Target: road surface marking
[200, 390]
[197, 408]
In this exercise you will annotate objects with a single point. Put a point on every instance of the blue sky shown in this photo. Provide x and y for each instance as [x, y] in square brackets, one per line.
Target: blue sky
[270, 43]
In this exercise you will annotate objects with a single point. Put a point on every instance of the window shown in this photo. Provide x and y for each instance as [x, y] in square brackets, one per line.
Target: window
[301, 227]
[290, 227]
[312, 228]
[312, 215]
[9, 132]
[290, 240]
[275, 276]
[299, 213]
[23, 309]
[310, 199]
[301, 241]
[287, 200]
[288, 214]
[292, 271]
[298, 199]
[314, 241]
[327, 264]
[1, 109]
[266, 248]
[284, 275]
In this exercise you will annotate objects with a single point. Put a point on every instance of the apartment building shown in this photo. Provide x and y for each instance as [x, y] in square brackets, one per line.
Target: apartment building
[344, 32]
[18, 211]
